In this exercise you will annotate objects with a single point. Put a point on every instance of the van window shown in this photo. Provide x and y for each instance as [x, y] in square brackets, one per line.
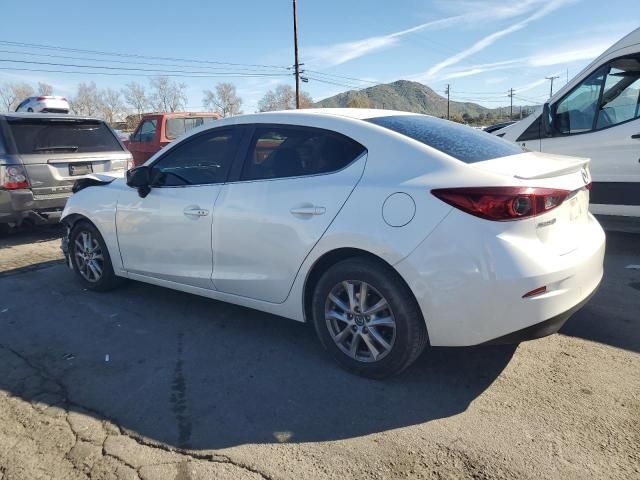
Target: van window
[459, 141]
[576, 113]
[42, 135]
[146, 132]
[179, 125]
[621, 96]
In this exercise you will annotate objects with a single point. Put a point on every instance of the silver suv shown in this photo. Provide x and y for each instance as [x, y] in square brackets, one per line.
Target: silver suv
[41, 157]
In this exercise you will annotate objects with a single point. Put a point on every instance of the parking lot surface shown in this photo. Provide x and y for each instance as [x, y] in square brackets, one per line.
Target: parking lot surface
[148, 383]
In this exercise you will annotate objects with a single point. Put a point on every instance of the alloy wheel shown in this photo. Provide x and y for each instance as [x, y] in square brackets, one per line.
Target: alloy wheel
[360, 321]
[89, 256]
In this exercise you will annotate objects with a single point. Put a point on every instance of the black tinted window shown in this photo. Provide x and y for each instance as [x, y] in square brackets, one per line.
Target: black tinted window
[278, 152]
[533, 131]
[201, 160]
[459, 141]
[64, 136]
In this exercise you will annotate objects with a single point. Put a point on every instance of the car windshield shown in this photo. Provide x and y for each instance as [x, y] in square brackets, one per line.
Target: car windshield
[459, 141]
[63, 136]
[180, 125]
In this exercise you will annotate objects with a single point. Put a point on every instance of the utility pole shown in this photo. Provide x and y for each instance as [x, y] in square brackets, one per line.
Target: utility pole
[510, 94]
[447, 92]
[552, 78]
[295, 49]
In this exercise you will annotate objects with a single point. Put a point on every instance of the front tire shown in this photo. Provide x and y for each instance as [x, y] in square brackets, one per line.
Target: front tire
[90, 258]
[367, 318]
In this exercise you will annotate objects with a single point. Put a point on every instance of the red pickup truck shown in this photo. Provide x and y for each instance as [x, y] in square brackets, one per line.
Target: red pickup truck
[158, 129]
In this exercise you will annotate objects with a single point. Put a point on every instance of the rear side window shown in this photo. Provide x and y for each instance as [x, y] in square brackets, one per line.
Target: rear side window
[33, 136]
[459, 141]
[280, 152]
[178, 126]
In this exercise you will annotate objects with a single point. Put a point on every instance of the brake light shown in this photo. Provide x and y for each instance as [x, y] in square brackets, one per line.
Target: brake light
[13, 177]
[502, 203]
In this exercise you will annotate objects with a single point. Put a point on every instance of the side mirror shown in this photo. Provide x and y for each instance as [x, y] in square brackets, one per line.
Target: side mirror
[547, 120]
[140, 178]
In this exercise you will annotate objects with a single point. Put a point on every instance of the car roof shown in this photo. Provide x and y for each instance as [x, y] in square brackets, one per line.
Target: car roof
[356, 113]
[48, 116]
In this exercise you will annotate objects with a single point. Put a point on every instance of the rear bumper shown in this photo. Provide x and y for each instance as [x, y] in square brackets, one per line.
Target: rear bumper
[16, 206]
[542, 329]
[470, 282]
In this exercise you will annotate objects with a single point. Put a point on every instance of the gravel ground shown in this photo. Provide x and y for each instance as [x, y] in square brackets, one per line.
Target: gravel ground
[147, 383]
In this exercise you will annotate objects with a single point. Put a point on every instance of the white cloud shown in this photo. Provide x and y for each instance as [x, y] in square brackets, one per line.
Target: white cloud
[567, 56]
[495, 36]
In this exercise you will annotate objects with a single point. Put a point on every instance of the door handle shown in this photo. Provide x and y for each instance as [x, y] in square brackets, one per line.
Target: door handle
[313, 210]
[196, 212]
[636, 136]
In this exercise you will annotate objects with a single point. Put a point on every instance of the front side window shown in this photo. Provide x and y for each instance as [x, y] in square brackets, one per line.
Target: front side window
[280, 152]
[202, 160]
[459, 141]
[621, 96]
[147, 131]
[577, 111]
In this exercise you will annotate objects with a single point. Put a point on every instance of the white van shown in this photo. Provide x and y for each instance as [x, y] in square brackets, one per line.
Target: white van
[596, 115]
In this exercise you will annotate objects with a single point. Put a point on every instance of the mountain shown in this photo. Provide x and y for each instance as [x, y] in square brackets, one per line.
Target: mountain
[414, 97]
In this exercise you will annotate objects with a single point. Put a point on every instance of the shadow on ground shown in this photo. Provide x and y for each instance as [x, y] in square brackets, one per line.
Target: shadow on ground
[31, 235]
[194, 373]
[612, 316]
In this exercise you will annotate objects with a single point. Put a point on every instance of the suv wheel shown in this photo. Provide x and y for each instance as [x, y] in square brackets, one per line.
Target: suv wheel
[90, 258]
[368, 319]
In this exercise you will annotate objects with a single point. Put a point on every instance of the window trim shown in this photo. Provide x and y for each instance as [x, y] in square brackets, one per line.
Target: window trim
[250, 133]
[236, 144]
[607, 67]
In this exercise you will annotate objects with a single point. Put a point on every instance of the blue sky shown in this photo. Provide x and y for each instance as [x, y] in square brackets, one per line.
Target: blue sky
[481, 47]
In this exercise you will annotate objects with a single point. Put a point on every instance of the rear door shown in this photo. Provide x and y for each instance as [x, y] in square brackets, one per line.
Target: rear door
[292, 185]
[600, 119]
[56, 152]
[145, 141]
[167, 234]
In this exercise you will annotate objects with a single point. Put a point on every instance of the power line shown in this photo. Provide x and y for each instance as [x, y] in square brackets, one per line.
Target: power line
[131, 55]
[120, 74]
[135, 62]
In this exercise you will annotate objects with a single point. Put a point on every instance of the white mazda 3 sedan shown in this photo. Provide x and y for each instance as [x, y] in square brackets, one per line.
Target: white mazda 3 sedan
[387, 230]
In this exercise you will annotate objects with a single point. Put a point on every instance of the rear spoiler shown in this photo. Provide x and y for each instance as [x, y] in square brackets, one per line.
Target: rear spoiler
[575, 166]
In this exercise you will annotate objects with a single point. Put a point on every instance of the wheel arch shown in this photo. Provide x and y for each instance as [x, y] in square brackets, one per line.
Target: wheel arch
[332, 257]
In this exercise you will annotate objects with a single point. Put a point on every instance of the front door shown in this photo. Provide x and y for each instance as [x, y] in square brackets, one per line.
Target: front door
[167, 234]
[293, 183]
[145, 141]
[600, 119]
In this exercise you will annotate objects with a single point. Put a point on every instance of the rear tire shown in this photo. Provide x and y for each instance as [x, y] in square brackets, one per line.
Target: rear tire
[30, 110]
[90, 258]
[388, 328]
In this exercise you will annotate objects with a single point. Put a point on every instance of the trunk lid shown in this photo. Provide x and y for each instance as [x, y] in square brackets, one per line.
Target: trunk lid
[562, 228]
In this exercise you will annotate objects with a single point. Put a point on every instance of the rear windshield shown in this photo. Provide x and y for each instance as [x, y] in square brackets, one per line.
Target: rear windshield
[34, 136]
[459, 141]
[178, 126]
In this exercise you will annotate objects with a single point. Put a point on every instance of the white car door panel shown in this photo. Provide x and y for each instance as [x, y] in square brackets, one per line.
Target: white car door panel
[167, 234]
[264, 228]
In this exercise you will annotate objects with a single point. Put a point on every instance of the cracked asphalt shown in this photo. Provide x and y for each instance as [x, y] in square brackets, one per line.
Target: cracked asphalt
[147, 383]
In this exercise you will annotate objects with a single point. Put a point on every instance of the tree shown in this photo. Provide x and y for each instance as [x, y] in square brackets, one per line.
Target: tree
[224, 101]
[112, 106]
[136, 97]
[283, 98]
[358, 101]
[167, 95]
[14, 93]
[87, 100]
[44, 88]
[466, 117]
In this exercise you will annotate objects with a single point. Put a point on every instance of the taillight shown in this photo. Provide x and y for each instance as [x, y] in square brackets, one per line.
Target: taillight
[13, 177]
[502, 203]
